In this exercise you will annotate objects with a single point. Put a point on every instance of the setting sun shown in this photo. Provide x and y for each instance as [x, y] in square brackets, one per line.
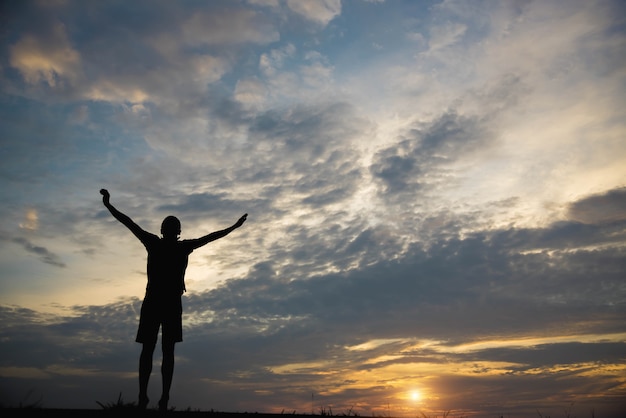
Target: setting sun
[416, 396]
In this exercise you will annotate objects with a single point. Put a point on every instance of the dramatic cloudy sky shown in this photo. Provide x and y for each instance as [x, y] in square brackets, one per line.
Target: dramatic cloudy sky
[436, 194]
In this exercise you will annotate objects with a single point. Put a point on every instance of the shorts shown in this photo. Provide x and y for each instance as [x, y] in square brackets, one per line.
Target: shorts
[157, 312]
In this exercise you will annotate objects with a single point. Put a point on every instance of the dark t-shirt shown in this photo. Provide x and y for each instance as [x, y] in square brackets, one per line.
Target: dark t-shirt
[167, 262]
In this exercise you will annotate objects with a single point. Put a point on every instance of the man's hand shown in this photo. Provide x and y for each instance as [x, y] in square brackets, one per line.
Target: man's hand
[105, 196]
[241, 220]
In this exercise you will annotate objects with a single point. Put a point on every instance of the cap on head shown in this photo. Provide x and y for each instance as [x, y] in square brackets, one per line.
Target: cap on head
[170, 227]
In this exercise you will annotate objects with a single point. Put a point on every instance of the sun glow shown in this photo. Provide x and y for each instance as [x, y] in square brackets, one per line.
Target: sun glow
[416, 395]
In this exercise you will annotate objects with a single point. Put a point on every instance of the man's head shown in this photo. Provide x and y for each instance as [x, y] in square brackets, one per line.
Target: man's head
[170, 228]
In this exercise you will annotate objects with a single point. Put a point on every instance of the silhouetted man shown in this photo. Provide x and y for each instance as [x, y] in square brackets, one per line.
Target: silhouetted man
[162, 307]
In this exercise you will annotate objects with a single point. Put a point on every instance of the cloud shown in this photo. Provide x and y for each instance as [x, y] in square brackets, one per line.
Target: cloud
[546, 356]
[250, 92]
[430, 287]
[44, 254]
[162, 64]
[164, 82]
[31, 220]
[317, 162]
[293, 75]
[230, 26]
[445, 35]
[424, 156]
[265, 3]
[271, 62]
[600, 208]
[318, 11]
[317, 73]
[306, 149]
[49, 58]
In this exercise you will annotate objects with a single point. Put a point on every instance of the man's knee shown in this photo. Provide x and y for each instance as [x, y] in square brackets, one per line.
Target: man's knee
[168, 347]
[148, 349]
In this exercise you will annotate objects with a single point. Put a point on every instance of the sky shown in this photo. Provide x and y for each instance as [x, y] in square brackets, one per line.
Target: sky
[436, 194]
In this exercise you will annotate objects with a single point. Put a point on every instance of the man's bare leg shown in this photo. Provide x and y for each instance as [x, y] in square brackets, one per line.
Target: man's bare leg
[167, 372]
[145, 368]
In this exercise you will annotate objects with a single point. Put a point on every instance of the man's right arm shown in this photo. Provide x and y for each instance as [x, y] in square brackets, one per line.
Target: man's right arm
[124, 219]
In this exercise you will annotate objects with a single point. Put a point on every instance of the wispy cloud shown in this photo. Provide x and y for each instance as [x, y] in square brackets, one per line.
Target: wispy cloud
[43, 253]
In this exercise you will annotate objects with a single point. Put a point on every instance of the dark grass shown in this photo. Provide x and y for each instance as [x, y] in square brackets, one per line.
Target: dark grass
[49, 412]
[120, 407]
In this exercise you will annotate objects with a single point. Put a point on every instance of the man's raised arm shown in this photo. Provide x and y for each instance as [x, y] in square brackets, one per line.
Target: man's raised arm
[124, 219]
[199, 242]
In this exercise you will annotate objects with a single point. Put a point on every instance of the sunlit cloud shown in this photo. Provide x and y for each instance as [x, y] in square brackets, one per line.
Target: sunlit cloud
[51, 59]
[31, 220]
[532, 342]
[372, 344]
[319, 11]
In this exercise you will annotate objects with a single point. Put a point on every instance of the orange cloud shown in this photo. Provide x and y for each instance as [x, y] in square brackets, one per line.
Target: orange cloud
[31, 220]
[46, 60]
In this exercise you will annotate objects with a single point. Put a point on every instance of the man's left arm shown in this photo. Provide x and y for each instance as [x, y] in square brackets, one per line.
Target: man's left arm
[199, 242]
